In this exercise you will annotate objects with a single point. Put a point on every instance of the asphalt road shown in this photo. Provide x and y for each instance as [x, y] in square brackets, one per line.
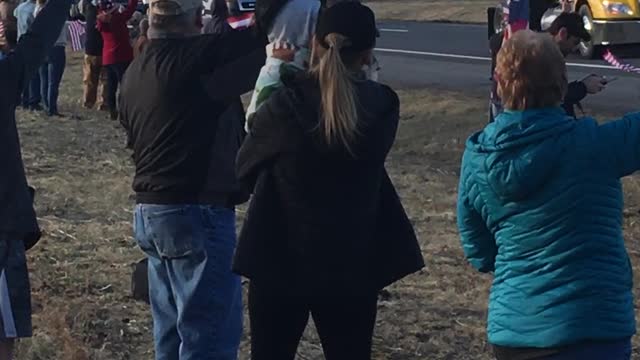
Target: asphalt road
[456, 57]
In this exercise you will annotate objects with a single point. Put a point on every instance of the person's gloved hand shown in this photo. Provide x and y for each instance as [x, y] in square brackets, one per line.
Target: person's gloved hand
[594, 83]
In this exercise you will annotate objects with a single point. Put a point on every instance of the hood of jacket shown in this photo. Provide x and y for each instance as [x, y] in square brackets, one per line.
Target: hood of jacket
[519, 151]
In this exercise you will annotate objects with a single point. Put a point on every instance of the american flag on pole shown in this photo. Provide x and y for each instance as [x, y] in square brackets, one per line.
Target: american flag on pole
[516, 16]
[616, 63]
[77, 31]
[2, 38]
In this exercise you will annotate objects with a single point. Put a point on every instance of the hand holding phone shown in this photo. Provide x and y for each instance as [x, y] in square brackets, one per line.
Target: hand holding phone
[594, 83]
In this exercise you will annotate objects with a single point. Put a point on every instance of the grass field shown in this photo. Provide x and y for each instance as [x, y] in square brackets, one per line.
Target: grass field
[471, 11]
[81, 269]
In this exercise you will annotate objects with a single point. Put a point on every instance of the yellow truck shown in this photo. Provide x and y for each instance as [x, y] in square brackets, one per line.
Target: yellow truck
[610, 22]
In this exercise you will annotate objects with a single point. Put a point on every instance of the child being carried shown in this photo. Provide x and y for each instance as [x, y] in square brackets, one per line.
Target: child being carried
[290, 25]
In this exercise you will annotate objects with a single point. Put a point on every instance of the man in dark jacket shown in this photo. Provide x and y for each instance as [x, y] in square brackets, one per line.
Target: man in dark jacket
[95, 75]
[568, 31]
[17, 216]
[184, 152]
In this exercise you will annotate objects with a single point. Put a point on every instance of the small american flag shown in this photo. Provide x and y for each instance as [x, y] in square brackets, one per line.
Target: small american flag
[616, 63]
[516, 16]
[77, 31]
[240, 22]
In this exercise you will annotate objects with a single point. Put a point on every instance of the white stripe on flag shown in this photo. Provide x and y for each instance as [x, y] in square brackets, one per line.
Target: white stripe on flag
[240, 24]
[615, 62]
[76, 31]
[5, 309]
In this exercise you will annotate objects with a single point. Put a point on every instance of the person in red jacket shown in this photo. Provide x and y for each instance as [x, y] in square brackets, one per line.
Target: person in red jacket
[117, 52]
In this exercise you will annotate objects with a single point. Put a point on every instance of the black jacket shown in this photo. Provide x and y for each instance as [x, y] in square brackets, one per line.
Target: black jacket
[323, 220]
[17, 216]
[576, 92]
[183, 152]
[93, 39]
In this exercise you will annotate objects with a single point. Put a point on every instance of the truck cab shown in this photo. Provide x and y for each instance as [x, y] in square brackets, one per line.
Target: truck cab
[610, 22]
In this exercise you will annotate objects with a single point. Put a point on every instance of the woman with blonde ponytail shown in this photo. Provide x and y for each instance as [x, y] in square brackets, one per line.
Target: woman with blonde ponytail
[325, 230]
[338, 94]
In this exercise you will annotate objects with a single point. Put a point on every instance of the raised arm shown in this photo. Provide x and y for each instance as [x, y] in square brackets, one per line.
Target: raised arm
[221, 49]
[16, 69]
[620, 141]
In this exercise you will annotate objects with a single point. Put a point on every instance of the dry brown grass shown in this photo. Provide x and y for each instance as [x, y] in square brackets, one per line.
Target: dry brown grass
[80, 270]
[468, 11]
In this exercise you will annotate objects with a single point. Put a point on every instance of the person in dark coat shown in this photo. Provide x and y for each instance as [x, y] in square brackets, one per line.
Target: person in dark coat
[325, 230]
[18, 221]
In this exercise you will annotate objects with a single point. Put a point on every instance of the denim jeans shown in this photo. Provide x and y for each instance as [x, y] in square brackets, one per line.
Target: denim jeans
[115, 72]
[196, 300]
[50, 77]
[31, 95]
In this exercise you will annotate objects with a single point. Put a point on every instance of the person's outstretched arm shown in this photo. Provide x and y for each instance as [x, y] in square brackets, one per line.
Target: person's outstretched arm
[16, 69]
[478, 243]
[233, 58]
[620, 141]
[218, 50]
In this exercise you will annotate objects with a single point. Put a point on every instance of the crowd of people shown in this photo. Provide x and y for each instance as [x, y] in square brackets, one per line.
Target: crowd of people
[107, 43]
[539, 199]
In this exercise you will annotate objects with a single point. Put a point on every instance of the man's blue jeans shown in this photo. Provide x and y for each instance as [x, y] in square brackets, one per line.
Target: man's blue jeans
[196, 300]
[50, 77]
[31, 95]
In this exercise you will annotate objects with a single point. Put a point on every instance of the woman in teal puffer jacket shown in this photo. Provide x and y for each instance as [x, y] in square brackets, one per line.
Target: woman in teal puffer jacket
[540, 205]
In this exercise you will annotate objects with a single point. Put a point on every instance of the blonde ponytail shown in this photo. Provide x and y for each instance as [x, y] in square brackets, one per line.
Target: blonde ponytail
[339, 103]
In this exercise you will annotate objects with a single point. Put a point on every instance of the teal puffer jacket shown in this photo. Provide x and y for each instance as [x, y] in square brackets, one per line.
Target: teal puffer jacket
[540, 205]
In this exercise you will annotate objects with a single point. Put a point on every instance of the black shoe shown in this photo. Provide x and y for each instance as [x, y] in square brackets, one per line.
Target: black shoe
[56, 114]
[37, 107]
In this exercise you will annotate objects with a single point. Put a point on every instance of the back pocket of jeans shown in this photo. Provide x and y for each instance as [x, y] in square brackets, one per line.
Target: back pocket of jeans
[176, 232]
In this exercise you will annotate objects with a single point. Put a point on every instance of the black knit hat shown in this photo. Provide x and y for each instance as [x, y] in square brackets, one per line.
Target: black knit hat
[352, 20]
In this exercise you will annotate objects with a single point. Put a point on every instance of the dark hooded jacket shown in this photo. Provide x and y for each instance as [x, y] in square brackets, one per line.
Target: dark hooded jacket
[323, 220]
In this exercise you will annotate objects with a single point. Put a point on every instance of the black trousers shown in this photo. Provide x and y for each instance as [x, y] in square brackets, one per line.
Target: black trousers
[345, 324]
[115, 72]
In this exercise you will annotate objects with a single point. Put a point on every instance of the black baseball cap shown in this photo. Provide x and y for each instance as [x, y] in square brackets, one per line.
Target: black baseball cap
[573, 23]
[351, 19]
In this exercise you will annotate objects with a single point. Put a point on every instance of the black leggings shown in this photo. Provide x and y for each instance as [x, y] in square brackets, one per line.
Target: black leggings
[345, 324]
[115, 72]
